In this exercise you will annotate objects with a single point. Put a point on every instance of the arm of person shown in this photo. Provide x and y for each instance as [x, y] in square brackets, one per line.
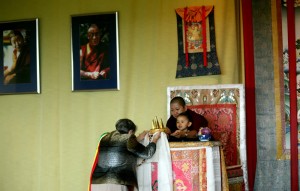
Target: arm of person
[171, 125]
[7, 72]
[89, 75]
[10, 70]
[9, 78]
[192, 134]
[185, 134]
[139, 149]
[167, 131]
[141, 136]
[104, 73]
[85, 74]
[156, 137]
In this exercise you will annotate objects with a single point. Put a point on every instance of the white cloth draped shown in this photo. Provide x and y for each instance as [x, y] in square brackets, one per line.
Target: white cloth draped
[163, 158]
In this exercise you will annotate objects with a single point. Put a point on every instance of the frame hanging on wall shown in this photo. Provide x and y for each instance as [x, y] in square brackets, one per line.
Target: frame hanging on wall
[95, 52]
[19, 63]
[197, 54]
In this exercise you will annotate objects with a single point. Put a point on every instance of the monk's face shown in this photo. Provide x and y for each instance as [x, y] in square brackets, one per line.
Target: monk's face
[93, 35]
[176, 109]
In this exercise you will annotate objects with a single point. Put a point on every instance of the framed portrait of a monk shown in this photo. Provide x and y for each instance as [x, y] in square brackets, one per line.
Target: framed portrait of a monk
[95, 52]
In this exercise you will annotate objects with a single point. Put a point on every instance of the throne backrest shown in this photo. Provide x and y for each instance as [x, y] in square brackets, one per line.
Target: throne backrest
[222, 122]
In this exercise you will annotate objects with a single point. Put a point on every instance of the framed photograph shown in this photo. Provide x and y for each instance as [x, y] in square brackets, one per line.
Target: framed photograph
[95, 52]
[19, 63]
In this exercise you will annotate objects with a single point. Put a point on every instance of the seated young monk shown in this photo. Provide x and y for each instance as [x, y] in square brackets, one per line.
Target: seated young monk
[177, 106]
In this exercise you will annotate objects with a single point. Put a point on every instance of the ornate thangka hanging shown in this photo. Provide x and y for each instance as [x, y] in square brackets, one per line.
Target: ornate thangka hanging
[197, 54]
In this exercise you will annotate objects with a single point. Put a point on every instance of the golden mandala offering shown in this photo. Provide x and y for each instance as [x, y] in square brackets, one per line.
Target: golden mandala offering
[157, 126]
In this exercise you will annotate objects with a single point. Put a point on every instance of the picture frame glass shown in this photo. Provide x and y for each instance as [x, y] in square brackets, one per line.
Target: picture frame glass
[95, 54]
[19, 63]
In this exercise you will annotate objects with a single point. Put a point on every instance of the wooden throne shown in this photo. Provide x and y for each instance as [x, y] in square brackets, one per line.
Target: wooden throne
[224, 108]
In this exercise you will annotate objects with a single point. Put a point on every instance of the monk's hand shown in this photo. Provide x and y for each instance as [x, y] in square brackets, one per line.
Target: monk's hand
[178, 134]
[93, 75]
[103, 73]
[167, 131]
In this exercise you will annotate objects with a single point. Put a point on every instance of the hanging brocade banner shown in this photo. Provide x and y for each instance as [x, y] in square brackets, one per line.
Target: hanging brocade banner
[197, 54]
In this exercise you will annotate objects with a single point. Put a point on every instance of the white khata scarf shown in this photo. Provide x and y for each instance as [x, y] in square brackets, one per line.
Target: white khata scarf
[155, 174]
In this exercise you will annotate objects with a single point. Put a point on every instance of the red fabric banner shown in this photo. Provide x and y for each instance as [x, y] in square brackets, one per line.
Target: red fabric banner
[249, 91]
[204, 45]
[293, 93]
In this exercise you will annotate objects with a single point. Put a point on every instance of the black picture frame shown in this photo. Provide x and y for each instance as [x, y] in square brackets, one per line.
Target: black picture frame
[104, 58]
[19, 64]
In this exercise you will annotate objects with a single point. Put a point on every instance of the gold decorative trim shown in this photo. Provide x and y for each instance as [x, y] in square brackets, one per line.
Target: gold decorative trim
[194, 144]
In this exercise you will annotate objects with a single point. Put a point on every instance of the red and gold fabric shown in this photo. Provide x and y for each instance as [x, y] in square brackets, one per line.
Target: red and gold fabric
[198, 166]
[196, 42]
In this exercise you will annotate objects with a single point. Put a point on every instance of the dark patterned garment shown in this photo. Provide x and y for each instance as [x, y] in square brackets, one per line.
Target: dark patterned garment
[117, 160]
